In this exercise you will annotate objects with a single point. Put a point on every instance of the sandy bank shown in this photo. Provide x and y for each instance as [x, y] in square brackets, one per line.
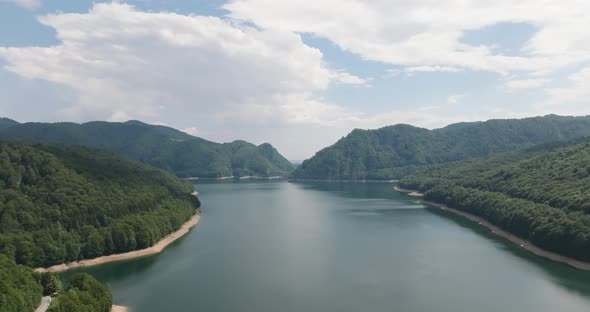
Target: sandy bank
[341, 181]
[239, 178]
[158, 247]
[409, 192]
[513, 238]
[117, 308]
[262, 178]
[524, 244]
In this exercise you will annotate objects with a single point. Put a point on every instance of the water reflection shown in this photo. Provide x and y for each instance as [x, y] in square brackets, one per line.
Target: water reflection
[561, 274]
[269, 246]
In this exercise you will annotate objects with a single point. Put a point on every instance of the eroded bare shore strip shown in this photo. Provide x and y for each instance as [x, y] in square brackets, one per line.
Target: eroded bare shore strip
[157, 248]
[409, 192]
[117, 308]
[582, 265]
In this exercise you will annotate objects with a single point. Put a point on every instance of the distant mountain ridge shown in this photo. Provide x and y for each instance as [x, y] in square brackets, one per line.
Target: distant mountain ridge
[395, 151]
[7, 122]
[160, 146]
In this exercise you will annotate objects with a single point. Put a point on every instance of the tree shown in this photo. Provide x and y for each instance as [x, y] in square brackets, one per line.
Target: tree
[75, 202]
[50, 283]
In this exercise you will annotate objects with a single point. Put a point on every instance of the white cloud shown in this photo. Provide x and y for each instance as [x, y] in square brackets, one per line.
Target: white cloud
[527, 83]
[569, 100]
[263, 83]
[192, 131]
[454, 99]
[429, 108]
[123, 63]
[426, 34]
[431, 69]
[347, 78]
[411, 70]
[230, 79]
[28, 4]
[288, 109]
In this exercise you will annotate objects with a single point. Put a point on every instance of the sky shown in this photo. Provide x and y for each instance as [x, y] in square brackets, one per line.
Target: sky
[297, 74]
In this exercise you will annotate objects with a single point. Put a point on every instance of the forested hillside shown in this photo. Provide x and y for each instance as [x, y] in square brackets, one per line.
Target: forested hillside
[395, 151]
[163, 147]
[84, 294]
[541, 194]
[65, 203]
[19, 291]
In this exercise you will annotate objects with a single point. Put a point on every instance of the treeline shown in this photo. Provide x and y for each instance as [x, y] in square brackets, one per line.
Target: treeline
[21, 288]
[159, 146]
[397, 151]
[19, 291]
[85, 294]
[65, 203]
[541, 194]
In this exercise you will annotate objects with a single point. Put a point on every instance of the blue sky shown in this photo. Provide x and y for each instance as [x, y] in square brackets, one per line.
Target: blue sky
[296, 74]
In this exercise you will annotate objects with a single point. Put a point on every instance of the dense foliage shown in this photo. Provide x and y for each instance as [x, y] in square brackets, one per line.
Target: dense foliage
[49, 281]
[19, 290]
[85, 294]
[396, 151]
[163, 147]
[64, 203]
[541, 194]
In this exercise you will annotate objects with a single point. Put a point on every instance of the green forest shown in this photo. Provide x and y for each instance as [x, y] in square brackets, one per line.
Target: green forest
[84, 294]
[62, 203]
[159, 146]
[396, 151]
[541, 194]
[21, 290]
[65, 203]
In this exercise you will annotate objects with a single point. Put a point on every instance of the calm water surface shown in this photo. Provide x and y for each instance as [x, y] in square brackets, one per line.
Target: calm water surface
[279, 246]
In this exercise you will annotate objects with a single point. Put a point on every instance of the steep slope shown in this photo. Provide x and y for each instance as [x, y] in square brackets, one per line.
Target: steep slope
[395, 151]
[163, 147]
[65, 203]
[541, 194]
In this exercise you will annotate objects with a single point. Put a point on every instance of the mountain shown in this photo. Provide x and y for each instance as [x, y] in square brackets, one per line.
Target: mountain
[62, 203]
[7, 122]
[539, 194]
[163, 147]
[395, 151]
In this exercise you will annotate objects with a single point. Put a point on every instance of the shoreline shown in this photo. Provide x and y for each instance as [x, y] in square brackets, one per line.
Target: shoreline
[522, 243]
[237, 178]
[198, 178]
[260, 178]
[341, 181]
[118, 308]
[409, 192]
[155, 249]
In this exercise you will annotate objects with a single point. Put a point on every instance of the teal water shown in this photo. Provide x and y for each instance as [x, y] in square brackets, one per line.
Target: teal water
[280, 246]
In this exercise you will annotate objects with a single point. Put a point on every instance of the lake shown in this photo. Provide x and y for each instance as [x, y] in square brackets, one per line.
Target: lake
[282, 246]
